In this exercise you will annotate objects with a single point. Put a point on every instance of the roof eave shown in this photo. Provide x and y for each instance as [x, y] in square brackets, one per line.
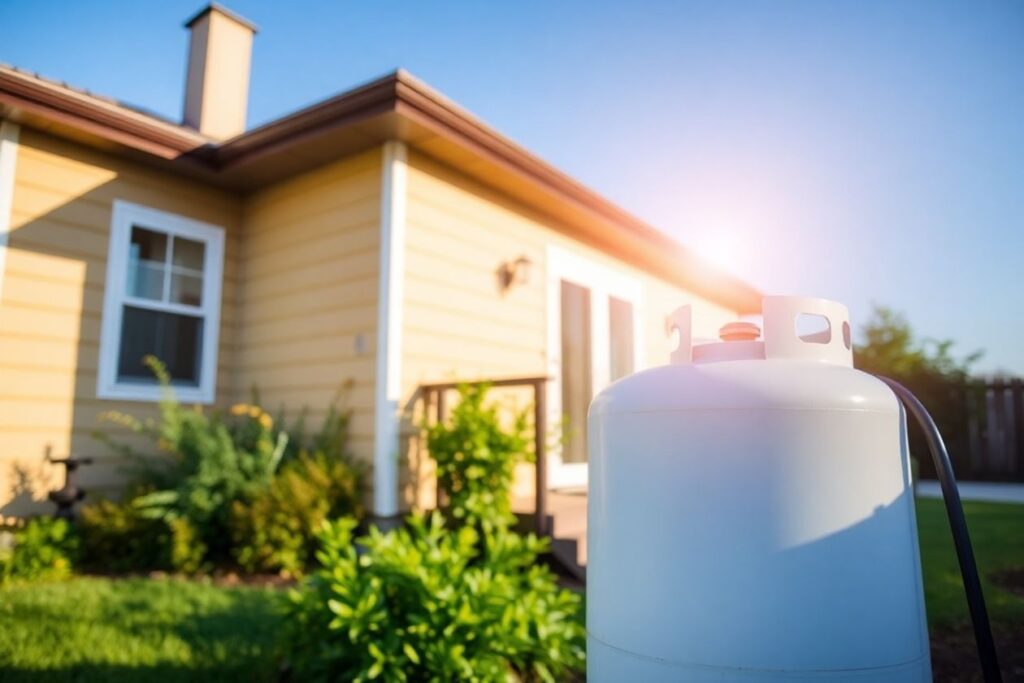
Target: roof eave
[395, 95]
[30, 96]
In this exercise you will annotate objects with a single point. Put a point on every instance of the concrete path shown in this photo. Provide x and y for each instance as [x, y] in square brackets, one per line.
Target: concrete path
[976, 490]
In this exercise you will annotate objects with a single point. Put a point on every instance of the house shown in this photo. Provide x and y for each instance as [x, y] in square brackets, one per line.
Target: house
[383, 238]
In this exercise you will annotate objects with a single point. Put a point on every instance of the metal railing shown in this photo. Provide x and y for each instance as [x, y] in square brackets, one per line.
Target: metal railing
[435, 407]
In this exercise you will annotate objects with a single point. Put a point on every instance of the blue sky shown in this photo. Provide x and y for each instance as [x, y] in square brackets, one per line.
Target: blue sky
[863, 152]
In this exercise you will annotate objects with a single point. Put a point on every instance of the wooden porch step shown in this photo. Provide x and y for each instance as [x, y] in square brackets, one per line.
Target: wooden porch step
[567, 520]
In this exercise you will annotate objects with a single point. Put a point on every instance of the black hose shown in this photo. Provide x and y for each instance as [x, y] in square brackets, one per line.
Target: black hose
[958, 524]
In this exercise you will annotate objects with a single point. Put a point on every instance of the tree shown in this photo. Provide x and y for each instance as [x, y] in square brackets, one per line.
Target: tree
[925, 366]
[890, 348]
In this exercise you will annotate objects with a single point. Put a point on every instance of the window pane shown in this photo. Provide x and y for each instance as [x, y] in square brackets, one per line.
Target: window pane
[186, 289]
[147, 261]
[173, 338]
[189, 254]
[187, 272]
[620, 336]
[576, 370]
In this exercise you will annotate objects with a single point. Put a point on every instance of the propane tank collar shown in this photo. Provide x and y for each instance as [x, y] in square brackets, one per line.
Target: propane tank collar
[712, 352]
[778, 339]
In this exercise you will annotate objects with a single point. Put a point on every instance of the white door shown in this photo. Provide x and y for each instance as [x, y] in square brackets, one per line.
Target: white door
[594, 337]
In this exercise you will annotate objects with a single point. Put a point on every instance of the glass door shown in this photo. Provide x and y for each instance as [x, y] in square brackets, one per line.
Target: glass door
[576, 372]
[593, 340]
[621, 333]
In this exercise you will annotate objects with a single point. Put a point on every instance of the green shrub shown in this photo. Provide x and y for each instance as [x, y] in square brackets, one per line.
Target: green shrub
[331, 438]
[428, 603]
[207, 470]
[121, 537]
[187, 547]
[117, 537]
[476, 458]
[220, 483]
[277, 530]
[432, 603]
[45, 548]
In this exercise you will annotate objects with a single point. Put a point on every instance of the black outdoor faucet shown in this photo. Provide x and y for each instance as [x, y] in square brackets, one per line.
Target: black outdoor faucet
[65, 498]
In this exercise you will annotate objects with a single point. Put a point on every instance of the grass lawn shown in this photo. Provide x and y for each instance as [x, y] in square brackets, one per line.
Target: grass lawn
[997, 534]
[96, 629]
[138, 629]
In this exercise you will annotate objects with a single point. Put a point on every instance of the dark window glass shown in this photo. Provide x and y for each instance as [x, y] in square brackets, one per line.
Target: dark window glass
[147, 263]
[187, 272]
[173, 338]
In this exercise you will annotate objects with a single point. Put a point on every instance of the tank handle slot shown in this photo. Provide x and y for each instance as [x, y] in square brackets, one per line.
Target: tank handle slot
[680, 321]
[782, 340]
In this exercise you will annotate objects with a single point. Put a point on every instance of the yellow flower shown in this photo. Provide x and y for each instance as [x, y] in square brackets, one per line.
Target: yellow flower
[254, 413]
[240, 409]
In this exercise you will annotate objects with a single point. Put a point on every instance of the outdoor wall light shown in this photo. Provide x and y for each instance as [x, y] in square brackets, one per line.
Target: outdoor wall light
[515, 272]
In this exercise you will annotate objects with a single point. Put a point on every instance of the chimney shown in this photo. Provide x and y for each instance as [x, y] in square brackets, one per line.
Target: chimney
[217, 82]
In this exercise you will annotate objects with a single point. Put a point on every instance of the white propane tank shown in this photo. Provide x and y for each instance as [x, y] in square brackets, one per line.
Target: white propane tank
[750, 514]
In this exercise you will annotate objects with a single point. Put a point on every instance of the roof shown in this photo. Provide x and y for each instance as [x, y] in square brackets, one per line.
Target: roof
[396, 106]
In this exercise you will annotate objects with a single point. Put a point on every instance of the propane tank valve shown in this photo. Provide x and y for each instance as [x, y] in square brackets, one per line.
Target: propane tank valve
[739, 330]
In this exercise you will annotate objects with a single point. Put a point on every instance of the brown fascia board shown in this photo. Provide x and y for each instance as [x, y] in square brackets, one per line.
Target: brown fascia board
[31, 96]
[399, 94]
[359, 104]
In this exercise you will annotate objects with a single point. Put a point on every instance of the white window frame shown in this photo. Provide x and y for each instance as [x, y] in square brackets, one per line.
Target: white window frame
[603, 281]
[125, 216]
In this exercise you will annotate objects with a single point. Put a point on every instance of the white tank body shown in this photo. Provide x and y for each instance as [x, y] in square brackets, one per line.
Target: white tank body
[751, 516]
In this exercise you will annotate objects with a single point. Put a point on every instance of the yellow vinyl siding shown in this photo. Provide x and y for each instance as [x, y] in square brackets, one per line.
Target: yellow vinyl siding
[53, 303]
[459, 325]
[300, 298]
[309, 305]
[458, 235]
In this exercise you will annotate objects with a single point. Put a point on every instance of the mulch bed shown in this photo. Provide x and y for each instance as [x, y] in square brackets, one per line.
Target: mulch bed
[1010, 580]
[955, 656]
[230, 578]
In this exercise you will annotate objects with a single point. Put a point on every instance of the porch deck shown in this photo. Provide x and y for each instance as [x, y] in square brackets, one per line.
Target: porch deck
[567, 520]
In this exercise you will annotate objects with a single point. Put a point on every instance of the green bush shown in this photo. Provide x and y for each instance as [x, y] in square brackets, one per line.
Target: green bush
[426, 603]
[208, 470]
[222, 493]
[433, 603]
[476, 458]
[188, 550]
[117, 537]
[331, 438]
[45, 548]
[277, 530]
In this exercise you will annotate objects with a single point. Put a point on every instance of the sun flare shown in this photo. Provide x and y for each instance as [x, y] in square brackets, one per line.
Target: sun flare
[719, 249]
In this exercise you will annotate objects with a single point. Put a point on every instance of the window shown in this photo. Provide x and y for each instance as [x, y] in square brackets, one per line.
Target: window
[162, 299]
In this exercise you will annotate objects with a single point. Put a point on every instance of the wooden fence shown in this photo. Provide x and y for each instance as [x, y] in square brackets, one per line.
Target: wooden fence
[992, 445]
